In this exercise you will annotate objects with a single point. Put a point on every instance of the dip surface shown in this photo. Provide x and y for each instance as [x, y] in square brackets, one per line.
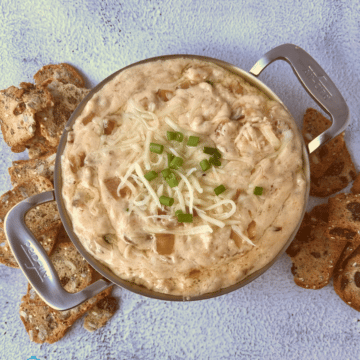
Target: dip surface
[115, 210]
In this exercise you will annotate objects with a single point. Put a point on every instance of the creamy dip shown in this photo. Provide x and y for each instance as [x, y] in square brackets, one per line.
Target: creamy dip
[116, 211]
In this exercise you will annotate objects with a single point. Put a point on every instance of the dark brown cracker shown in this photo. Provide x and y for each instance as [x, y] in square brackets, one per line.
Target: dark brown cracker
[347, 280]
[99, 315]
[356, 185]
[65, 73]
[344, 217]
[18, 107]
[52, 120]
[40, 219]
[312, 253]
[44, 324]
[314, 123]
[25, 170]
[337, 177]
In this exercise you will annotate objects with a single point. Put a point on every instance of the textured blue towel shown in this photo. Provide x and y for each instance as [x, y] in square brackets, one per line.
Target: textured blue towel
[271, 318]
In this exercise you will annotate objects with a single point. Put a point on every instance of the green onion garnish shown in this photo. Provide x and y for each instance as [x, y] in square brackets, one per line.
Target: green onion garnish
[179, 136]
[170, 157]
[220, 189]
[176, 162]
[171, 135]
[205, 165]
[156, 148]
[185, 218]
[193, 141]
[214, 161]
[168, 201]
[172, 180]
[151, 175]
[165, 173]
[209, 82]
[177, 212]
[212, 151]
[258, 190]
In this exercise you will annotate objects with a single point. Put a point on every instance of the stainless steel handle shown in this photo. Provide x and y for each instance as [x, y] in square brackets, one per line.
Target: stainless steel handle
[316, 82]
[35, 263]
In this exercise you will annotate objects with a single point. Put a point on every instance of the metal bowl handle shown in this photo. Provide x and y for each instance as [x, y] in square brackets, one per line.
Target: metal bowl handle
[316, 82]
[35, 263]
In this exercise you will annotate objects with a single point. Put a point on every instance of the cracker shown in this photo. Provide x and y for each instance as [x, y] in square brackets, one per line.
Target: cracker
[40, 219]
[65, 73]
[100, 314]
[18, 107]
[52, 120]
[44, 324]
[344, 217]
[347, 280]
[312, 253]
[356, 185]
[25, 170]
[314, 123]
[337, 177]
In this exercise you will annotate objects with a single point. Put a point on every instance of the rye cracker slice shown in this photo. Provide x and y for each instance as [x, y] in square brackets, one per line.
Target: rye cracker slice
[101, 313]
[347, 280]
[356, 185]
[337, 177]
[52, 120]
[25, 170]
[314, 123]
[312, 253]
[65, 73]
[40, 219]
[18, 107]
[344, 217]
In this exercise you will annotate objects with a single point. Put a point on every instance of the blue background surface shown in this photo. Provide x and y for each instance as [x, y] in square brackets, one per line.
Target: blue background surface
[271, 318]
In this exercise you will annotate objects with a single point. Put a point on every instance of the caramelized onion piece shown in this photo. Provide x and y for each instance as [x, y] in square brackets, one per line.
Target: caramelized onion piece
[251, 230]
[165, 243]
[109, 126]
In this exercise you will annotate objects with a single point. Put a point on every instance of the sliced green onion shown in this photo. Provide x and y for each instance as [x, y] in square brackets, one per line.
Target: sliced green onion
[156, 148]
[209, 82]
[176, 162]
[220, 189]
[212, 151]
[170, 157]
[177, 212]
[151, 175]
[258, 190]
[193, 141]
[205, 165]
[168, 201]
[185, 218]
[166, 172]
[214, 161]
[171, 135]
[172, 180]
[179, 136]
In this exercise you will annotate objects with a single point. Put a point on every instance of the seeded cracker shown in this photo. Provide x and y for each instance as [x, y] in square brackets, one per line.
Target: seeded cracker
[44, 324]
[25, 170]
[313, 254]
[101, 313]
[356, 185]
[60, 72]
[314, 123]
[347, 280]
[43, 221]
[53, 119]
[18, 107]
[344, 217]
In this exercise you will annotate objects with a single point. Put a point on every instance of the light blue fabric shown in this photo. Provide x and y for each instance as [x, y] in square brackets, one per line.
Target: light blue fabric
[271, 318]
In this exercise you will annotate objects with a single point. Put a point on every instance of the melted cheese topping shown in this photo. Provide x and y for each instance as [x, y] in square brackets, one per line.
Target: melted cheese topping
[116, 211]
